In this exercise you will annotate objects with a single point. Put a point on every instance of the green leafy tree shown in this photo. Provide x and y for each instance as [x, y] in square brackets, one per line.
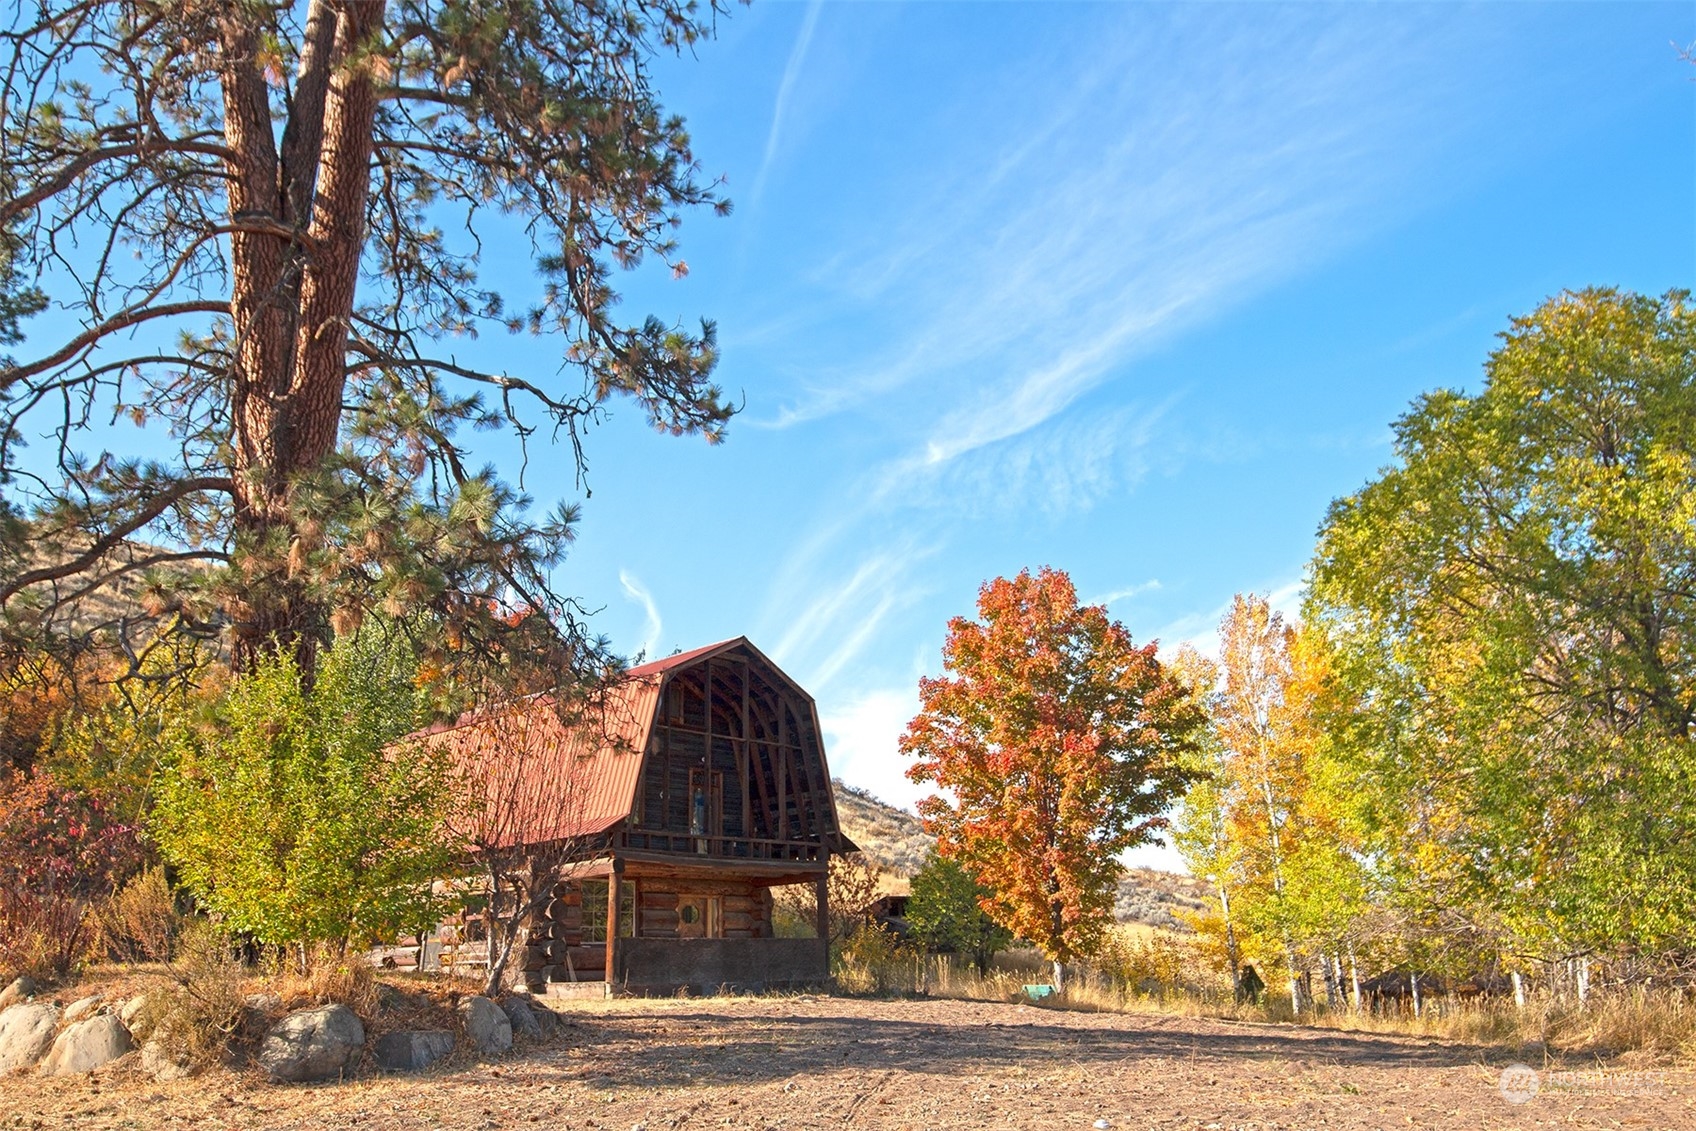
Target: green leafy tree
[289, 815]
[1514, 603]
[267, 220]
[1057, 744]
[946, 912]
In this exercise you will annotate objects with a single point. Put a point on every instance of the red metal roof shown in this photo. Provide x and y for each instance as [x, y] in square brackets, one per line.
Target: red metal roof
[659, 667]
[543, 778]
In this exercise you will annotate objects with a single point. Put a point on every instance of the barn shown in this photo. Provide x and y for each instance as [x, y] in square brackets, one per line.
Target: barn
[699, 787]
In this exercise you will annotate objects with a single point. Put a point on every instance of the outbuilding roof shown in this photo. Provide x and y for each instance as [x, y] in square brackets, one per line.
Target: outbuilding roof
[549, 775]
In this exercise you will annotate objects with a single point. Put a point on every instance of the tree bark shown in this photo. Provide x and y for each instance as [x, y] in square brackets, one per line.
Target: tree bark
[292, 299]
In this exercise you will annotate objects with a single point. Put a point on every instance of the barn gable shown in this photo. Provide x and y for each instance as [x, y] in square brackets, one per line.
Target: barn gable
[702, 786]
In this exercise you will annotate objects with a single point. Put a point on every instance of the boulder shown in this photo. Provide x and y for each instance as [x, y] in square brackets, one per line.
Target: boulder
[131, 1009]
[412, 1051]
[81, 1008]
[23, 988]
[130, 1013]
[523, 1019]
[486, 1024]
[161, 1063]
[26, 1033]
[89, 1044]
[546, 1018]
[313, 1044]
[266, 1004]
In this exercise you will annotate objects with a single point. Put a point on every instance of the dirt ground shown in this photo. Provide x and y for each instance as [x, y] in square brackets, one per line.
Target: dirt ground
[824, 1062]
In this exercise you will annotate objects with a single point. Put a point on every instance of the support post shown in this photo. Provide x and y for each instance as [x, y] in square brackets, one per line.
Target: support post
[613, 878]
[822, 887]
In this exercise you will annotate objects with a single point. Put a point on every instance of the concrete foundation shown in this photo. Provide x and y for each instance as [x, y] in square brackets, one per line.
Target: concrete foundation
[706, 965]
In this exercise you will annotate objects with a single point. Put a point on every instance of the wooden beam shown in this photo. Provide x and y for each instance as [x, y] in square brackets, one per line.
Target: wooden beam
[821, 886]
[613, 878]
[779, 764]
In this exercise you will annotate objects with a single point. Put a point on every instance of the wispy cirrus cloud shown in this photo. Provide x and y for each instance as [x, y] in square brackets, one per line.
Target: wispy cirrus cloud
[1133, 204]
[652, 625]
[1126, 593]
[785, 92]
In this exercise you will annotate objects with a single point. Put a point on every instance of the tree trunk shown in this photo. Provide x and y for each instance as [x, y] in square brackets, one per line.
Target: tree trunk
[292, 295]
[1518, 990]
[1354, 978]
[1059, 977]
[1295, 977]
[1413, 985]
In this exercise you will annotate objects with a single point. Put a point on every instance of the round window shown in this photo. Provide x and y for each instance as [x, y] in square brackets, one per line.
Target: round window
[689, 913]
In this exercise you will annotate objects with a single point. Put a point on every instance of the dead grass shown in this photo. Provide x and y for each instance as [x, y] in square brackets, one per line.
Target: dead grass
[1636, 1026]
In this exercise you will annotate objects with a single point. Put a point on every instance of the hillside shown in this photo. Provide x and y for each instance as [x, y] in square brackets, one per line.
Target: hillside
[898, 843]
[891, 837]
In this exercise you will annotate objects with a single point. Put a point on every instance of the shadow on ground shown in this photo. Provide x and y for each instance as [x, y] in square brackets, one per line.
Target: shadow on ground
[670, 1048]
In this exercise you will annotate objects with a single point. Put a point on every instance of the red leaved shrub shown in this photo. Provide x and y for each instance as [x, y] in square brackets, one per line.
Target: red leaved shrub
[61, 852]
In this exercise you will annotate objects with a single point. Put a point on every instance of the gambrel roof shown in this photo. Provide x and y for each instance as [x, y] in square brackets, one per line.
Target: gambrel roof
[599, 756]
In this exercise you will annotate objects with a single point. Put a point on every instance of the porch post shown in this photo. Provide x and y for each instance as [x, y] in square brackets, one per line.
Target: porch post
[822, 887]
[613, 878]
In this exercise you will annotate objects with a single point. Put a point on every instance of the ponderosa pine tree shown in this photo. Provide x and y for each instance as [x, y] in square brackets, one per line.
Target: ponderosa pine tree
[1058, 744]
[264, 221]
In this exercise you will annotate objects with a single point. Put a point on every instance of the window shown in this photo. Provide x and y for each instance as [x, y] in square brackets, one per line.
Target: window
[595, 911]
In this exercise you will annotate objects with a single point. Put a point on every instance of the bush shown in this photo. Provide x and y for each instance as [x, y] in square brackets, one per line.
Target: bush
[946, 913]
[289, 817]
[61, 852]
[873, 961]
[196, 1022]
[139, 922]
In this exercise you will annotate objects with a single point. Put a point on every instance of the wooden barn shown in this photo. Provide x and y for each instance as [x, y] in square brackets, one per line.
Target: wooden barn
[701, 787]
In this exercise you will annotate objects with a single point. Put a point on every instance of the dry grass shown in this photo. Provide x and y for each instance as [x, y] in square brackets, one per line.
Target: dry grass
[1156, 973]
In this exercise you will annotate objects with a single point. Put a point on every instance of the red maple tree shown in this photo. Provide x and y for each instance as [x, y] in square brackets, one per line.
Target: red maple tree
[1058, 744]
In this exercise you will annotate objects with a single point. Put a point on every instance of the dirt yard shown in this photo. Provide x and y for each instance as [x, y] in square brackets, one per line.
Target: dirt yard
[819, 1062]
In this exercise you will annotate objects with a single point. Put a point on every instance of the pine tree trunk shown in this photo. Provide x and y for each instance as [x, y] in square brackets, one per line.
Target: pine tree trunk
[292, 295]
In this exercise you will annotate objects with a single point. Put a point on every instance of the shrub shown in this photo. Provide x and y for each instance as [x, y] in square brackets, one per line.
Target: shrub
[947, 915]
[61, 852]
[289, 817]
[196, 1021]
[139, 922]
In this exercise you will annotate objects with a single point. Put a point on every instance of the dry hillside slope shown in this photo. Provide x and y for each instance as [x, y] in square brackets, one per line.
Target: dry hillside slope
[896, 840]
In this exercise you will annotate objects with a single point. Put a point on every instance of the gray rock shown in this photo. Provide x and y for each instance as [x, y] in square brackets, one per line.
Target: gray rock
[87, 1045]
[523, 1019]
[486, 1024]
[26, 1033]
[546, 1018]
[22, 989]
[313, 1044]
[263, 1003]
[412, 1051]
[160, 1063]
[130, 1012]
[81, 1008]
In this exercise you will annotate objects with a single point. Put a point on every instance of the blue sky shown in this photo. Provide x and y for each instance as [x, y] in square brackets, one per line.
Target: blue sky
[1127, 289]
[1130, 290]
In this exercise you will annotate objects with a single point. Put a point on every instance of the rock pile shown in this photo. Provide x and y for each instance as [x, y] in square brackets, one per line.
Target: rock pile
[324, 1043]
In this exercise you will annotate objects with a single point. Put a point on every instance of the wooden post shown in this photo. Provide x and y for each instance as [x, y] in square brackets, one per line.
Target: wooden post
[613, 877]
[822, 887]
